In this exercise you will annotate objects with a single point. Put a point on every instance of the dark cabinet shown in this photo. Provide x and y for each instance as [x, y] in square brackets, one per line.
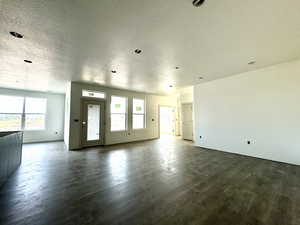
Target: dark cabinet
[10, 153]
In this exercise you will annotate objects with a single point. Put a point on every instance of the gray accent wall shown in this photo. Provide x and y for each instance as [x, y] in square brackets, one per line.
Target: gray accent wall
[152, 116]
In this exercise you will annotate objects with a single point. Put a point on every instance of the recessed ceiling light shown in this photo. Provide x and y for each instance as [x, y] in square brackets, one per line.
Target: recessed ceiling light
[138, 51]
[198, 3]
[27, 61]
[251, 63]
[16, 34]
[114, 71]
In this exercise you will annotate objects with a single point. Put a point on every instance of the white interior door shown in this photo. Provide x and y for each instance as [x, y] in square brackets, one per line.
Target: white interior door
[167, 120]
[187, 121]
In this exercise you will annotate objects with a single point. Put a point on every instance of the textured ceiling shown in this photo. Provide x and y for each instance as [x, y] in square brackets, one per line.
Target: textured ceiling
[77, 40]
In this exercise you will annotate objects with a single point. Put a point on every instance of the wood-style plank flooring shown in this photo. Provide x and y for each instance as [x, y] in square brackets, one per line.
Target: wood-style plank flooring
[165, 182]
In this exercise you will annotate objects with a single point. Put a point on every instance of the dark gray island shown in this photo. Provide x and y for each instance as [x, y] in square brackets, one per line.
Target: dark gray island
[10, 154]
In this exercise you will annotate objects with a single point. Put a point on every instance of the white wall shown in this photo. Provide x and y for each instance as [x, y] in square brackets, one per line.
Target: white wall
[152, 104]
[186, 95]
[54, 118]
[261, 106]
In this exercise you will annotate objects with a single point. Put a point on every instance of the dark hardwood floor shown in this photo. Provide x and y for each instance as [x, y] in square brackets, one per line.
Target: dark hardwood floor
[165, 181]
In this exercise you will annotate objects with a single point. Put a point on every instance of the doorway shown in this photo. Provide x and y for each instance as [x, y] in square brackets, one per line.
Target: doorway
[187, 121]
[167, 120]
[93, 122]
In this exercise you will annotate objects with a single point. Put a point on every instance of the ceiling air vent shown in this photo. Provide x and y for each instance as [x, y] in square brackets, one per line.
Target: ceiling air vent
[198, 3]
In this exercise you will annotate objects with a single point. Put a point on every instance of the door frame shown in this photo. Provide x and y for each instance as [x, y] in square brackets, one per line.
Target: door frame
[182, 105]
[169, 106]
[83, 143]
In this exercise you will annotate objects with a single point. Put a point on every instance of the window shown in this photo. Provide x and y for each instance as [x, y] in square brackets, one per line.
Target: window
[93, 94]
[19, 114]
[11, 110]
[35, 113]
[138, 114]
[118, 113]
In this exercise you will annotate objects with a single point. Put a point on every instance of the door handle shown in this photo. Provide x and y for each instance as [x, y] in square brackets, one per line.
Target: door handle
[83, 123]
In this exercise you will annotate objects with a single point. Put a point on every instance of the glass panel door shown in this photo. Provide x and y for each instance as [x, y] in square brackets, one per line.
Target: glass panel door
[93, 122]
[93, 117]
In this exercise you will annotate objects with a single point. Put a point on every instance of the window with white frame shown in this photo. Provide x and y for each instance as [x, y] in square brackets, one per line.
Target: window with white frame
[19, 113]
[118, 113]
[93, 94]
[138, 113]
[11, 111]
[35, 113]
